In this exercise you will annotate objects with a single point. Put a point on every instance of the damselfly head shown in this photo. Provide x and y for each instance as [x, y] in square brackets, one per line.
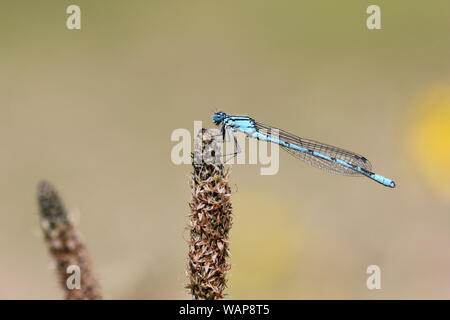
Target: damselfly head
[218, 117]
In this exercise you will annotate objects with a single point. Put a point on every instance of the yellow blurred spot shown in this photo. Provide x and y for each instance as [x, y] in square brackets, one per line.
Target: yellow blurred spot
[430, 139]
[264, 249]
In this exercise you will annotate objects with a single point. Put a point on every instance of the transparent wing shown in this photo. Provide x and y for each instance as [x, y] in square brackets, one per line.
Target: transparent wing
[335, 152]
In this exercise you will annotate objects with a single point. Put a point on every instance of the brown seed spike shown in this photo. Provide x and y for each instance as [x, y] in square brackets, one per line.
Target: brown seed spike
[210, 221]
[65, 245]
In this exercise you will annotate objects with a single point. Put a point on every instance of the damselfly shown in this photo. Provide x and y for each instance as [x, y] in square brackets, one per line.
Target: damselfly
[320, 155]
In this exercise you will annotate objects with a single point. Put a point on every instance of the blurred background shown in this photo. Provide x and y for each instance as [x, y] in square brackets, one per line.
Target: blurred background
[92, 111]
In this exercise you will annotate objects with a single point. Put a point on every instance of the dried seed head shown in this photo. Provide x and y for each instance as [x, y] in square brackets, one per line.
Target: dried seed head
[209, 221]
[65, 244]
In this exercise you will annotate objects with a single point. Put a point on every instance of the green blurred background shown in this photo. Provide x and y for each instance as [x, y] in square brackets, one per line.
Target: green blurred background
[92, 111]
